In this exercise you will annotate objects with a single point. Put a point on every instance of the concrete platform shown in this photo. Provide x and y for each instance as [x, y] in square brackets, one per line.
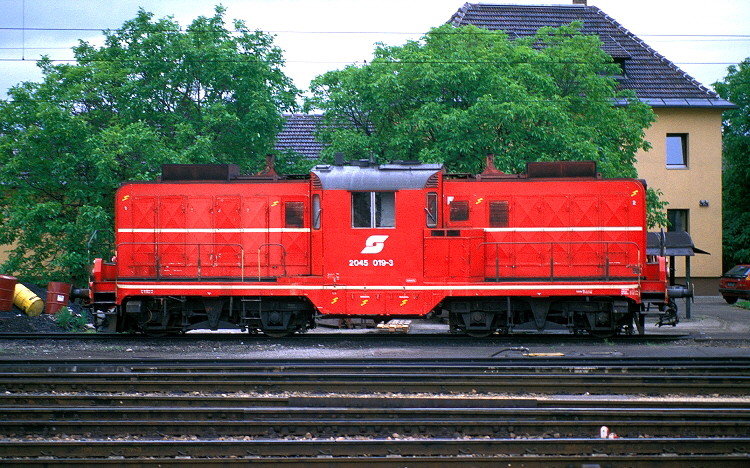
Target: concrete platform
[710, 317]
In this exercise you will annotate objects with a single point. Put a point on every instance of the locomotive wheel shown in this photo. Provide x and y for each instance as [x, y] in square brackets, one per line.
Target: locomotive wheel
[278, 324]
[480, 333]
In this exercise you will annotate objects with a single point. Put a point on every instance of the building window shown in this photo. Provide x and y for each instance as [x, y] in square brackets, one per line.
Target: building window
[677, 150]
[373, 209]
[678, 220]
[620, 62]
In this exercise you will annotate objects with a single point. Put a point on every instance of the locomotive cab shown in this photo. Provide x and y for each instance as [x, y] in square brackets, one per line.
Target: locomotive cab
[371, 227]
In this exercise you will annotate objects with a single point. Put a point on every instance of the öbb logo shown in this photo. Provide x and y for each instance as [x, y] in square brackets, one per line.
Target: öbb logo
[374, 244]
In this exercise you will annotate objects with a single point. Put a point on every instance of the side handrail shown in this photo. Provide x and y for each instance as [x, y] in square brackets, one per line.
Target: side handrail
[552, 245]
[157, 255]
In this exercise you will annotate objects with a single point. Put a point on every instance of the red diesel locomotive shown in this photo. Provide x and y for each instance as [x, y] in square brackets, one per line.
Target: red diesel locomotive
[206, 248]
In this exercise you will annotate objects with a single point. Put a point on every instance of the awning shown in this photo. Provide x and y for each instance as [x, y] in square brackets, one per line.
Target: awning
[676, 244]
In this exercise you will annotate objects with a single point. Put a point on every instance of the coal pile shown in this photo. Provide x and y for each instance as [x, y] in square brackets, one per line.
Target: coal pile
[18, 322]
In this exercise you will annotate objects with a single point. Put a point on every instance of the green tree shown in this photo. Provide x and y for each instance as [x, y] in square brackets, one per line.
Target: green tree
[462, 93]
[152, 94]
[736, 154]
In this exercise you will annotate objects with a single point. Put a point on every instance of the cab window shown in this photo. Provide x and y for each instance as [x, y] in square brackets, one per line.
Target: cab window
[431, 210]
[373, 209]
[316, 211]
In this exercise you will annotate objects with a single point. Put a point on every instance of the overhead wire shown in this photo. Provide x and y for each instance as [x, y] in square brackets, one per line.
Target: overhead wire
[292, 31]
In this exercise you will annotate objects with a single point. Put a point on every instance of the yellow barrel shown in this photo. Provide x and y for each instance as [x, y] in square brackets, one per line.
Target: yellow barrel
[27, 301]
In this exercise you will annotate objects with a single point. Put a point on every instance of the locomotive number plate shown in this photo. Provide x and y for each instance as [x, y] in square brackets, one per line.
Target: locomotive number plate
[377, 262]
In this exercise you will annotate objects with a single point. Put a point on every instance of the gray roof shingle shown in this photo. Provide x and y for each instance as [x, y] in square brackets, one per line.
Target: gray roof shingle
[650, 75]
[298, 135]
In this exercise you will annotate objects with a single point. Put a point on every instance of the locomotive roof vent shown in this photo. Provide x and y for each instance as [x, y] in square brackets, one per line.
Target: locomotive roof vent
[362, 163]
[553, 169]
[184, 172]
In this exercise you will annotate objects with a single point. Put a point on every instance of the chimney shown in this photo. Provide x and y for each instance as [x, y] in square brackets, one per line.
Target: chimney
[580, 2]
[270, 169]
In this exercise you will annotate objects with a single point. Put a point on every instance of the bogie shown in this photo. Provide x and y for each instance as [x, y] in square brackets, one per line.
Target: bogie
[169, 315]
[505, 314]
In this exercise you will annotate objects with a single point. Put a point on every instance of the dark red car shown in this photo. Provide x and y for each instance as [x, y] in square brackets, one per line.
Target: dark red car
[734, 284]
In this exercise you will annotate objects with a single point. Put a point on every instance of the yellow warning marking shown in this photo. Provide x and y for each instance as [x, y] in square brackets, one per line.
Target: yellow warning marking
[479, 200]
[635, 192]
[125, 197]
[403, 303]
[335, 300]
[276, 202]
[364, 302]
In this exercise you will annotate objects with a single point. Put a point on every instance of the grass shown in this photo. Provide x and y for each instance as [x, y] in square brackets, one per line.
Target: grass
[71, 321]
[743, 304]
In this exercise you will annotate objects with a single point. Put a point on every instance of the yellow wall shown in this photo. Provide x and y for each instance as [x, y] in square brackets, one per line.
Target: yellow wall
[684, 188]
[4, 253]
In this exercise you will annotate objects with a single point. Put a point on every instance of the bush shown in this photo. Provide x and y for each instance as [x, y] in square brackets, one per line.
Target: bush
[70, 321]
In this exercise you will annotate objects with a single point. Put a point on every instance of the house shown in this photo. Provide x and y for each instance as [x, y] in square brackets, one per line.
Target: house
[684, 162]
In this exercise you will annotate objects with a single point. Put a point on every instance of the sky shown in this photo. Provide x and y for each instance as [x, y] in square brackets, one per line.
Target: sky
[701, 37]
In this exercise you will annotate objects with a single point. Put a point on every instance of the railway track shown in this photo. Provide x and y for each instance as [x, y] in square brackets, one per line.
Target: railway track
[511, 375]
[204, 413]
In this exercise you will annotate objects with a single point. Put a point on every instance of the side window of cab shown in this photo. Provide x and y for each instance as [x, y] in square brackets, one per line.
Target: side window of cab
[373, 209]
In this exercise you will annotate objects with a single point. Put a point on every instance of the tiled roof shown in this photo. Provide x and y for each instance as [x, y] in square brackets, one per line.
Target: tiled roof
[651, 76]
[298, 135]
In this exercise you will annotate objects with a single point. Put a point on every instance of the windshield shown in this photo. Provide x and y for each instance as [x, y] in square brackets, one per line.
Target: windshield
[740, 271]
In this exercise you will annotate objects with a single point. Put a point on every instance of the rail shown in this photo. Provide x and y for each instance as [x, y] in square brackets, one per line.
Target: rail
[602, 267]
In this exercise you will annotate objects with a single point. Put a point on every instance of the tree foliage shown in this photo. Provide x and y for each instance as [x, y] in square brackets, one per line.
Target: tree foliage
[460, 94]
[152, 94]
[736, 154]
